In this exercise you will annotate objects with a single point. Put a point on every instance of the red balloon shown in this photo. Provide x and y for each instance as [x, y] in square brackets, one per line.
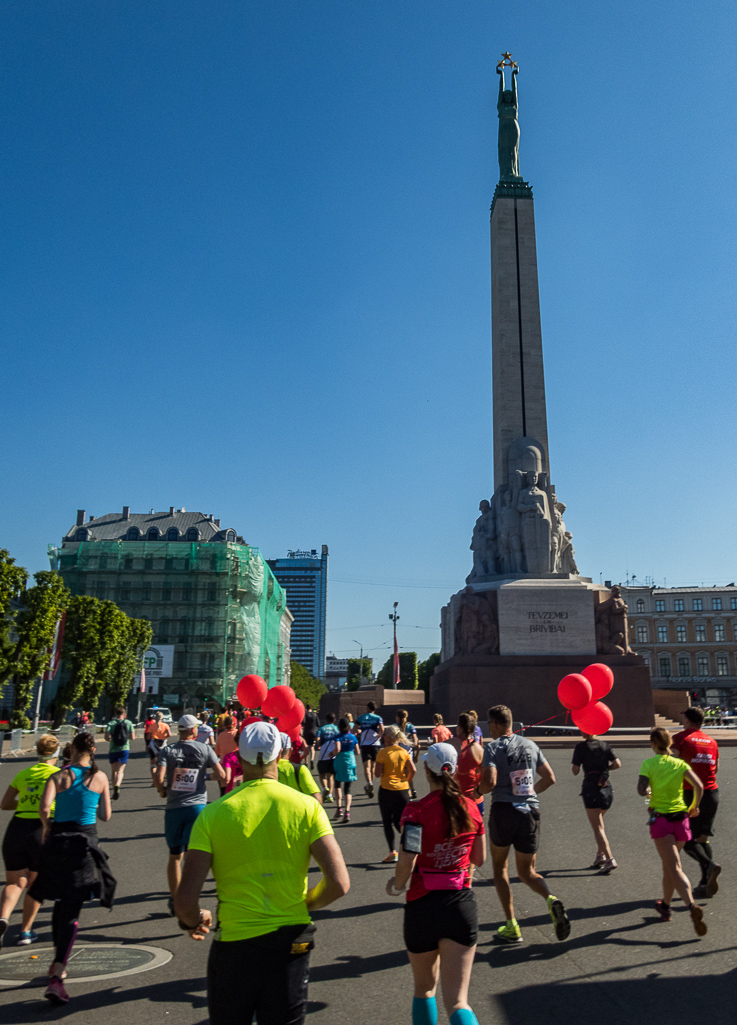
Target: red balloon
[293, 718]
[278, 701]
[601, 679]
[574, 691]
[595, 718]
[295, 735]
[251, 691]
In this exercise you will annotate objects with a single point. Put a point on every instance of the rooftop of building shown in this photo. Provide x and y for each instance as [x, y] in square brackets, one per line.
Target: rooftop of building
[128, 526]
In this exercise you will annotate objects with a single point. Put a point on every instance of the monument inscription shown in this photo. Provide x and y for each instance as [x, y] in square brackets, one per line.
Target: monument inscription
[537, 618]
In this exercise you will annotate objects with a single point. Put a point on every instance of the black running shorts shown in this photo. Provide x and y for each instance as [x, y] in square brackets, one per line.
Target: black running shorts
[22, 844]
[369, 752]
[509, 827]
[440, 915]
[325, 767]
[595, 796]
[703, 824]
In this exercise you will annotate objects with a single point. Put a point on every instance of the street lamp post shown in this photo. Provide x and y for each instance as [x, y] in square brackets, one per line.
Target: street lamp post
[394, 616]
[360, 663]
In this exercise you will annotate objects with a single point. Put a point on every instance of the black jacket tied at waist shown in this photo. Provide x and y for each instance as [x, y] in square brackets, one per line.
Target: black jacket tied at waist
[74, 868]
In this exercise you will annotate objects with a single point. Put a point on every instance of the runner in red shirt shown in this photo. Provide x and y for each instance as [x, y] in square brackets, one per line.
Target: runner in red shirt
[442, 835]
[701, 752]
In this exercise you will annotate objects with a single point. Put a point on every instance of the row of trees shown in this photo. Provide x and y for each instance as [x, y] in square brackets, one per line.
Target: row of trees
[412, 674]
[103, 647]
[308, 689]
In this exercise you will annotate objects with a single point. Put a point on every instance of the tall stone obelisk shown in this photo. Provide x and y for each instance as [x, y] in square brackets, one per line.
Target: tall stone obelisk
[526, 613]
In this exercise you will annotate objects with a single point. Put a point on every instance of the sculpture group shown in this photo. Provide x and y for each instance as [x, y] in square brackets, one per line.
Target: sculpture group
[521, 530]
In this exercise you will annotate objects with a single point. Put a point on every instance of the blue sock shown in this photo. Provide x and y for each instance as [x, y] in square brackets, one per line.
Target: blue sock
[424, 1011]
[463, 1016]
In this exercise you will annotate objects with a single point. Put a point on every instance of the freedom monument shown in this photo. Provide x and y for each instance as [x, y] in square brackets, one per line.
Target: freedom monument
[526, 617]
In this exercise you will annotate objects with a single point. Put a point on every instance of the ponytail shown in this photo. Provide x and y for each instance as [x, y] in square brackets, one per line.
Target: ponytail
[402, 716]
[454, 803]
[84, 743]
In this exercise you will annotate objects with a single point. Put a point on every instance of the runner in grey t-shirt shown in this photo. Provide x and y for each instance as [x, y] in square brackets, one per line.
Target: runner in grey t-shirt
[509, 769]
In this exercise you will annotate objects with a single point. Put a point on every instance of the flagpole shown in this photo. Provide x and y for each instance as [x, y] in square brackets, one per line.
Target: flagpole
[395, 673]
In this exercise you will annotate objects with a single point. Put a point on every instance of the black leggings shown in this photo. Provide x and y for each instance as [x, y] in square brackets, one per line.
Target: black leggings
[345, 786]
[64, 925]
[391, 804]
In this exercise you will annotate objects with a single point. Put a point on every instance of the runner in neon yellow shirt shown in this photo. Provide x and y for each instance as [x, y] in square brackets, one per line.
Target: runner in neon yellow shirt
[258, 841]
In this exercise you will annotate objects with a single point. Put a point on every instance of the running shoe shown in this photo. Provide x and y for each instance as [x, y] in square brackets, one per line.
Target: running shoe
[56, 992]
[27, 938]
[712, 884]
[324, 794]
[370, 791]
[116, 793]
[699, 892]
[663, 909]
[412, 794]
[599, 859]
[3, 927]
[697, 917]
[509, 934]
[391, 857]
[607, 866]
[347, 817]
[559, 917]
[330, 799]
[338, 813]
[170, 906]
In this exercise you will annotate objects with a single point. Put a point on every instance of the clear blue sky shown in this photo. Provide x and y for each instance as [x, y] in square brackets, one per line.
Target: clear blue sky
[245, 270]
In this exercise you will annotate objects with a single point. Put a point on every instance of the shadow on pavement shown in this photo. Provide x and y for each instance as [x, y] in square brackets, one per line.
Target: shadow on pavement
[363, 909]
[351, 966]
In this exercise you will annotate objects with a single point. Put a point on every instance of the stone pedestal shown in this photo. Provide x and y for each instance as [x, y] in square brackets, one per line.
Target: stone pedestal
[528, 685]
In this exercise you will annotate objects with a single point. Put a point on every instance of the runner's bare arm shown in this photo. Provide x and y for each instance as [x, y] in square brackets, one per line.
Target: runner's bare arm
[104, 808]
[698, 792]
[546, 780]
[159, 777]
[642, 784]
[409, 770]
[488, 780]
[218, 773]
[575, 769]
[616, 764]
[10, 799]
[405, 867]
[187, 901]
[47, 799]
[335, 882]
[478, 850]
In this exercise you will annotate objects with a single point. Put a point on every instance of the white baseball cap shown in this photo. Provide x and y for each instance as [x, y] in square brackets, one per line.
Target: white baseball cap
[189, 722]
[259, 738]
[441, 758]
[286, 743]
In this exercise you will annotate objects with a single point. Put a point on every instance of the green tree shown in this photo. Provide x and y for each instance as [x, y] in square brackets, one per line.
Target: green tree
[356, 670]
[306, 687]
[81, 655]
[425, 670]
[39, 611]
[12, 583]
[407, 671]
[137, 638]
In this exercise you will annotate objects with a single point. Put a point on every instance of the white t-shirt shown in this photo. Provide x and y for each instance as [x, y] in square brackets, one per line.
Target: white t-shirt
[204, 733]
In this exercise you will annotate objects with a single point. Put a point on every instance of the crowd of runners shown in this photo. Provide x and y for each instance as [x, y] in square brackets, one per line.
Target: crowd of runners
[271, 820]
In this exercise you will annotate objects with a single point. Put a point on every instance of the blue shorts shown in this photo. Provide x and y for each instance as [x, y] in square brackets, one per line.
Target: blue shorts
[178, 824]
[120, 757]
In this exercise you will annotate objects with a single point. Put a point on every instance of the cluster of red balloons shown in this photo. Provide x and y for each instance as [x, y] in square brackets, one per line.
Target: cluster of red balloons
[580, 693]
[280, 703]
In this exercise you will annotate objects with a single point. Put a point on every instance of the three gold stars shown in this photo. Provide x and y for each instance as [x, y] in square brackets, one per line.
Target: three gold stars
[506, 61]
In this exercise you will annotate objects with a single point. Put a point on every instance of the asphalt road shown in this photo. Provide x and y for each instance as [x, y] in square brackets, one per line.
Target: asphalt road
[621, 963]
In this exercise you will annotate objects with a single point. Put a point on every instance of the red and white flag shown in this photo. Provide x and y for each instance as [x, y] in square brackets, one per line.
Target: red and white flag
[396, 664]
[55, 649]
[142, 688]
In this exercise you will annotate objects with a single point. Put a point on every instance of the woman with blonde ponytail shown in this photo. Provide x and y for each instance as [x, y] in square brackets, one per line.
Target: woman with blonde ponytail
[442, 837]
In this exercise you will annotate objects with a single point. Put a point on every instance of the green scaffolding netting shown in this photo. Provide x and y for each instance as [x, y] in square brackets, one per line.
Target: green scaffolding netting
[218, 603]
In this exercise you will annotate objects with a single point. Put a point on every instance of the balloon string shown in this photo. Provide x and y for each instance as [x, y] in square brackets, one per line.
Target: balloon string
[529, 727]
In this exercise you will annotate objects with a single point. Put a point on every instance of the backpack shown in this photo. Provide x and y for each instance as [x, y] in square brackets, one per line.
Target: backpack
[119, 733]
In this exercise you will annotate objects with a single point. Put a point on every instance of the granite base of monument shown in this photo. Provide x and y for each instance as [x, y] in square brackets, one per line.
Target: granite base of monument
[528, 685]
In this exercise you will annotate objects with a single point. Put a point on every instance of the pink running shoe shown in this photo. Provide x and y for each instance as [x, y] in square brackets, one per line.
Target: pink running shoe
[56, 992]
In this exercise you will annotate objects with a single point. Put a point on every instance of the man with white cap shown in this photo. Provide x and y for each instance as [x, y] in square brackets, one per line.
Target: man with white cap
[258, 841]
[180, 776]
[296, 776]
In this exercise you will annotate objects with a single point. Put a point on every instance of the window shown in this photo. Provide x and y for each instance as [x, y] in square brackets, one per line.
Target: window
[664, 664]
[230, 535]
[646, 660]
[663, 634]
[81, 535]
[193, 534]
[128, 562]
[133, 534]
[168, 563]
[146, 592]
[642, 634]
[182, 627]
[172, 534]
[722, 665]
[125, 592]
[702, 665]
[681, 633]
[180, 661]
[103, 562]
[212, 594]
[719, 634]
[164, 631]
[678, 604]
[211, 660]
[207, 627]
[700, 630]
[733, 603]
[148, 562]
[659, 605]
[153, 534]
[640, 605]
[186, 594]
[698, 605]
[166, 593]
[101, 591]
[684, 665]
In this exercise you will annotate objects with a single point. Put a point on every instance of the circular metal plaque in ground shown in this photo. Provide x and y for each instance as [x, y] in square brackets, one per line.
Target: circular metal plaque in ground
[87, 963]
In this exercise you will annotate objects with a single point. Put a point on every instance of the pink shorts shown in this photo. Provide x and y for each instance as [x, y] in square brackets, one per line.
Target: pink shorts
[680, 830]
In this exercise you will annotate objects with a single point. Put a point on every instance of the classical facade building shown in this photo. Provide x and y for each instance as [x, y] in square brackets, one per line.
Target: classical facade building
[304, 576]
[688, 637]
[207, 594]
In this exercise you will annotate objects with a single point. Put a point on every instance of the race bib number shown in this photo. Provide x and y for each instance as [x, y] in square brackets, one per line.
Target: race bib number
[184, 781]
[523, 782]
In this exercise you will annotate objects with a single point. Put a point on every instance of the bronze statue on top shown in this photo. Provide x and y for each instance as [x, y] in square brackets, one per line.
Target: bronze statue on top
[508, 124]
